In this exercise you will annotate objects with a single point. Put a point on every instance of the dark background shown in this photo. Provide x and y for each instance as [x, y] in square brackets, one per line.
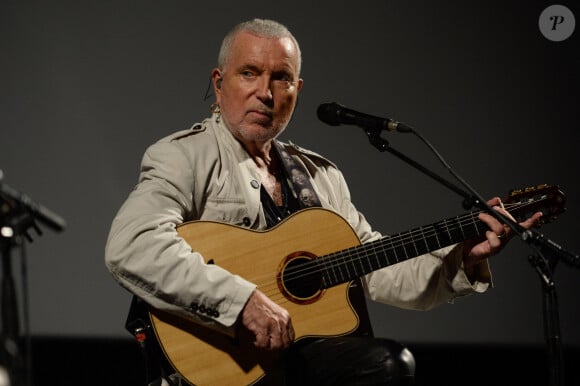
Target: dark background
[86, 86]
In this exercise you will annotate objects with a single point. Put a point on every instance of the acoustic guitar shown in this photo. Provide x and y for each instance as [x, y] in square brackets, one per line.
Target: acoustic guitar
[305, 264]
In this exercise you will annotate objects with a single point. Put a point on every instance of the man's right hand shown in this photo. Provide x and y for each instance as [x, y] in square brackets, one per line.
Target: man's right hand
[268, 322]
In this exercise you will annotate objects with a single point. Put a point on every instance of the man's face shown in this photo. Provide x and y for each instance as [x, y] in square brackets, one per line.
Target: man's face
[259, 86]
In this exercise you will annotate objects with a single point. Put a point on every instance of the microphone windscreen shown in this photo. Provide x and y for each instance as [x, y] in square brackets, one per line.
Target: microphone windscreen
[329, 113]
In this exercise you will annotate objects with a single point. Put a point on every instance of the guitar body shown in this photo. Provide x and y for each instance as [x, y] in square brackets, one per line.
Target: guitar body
[203, 356]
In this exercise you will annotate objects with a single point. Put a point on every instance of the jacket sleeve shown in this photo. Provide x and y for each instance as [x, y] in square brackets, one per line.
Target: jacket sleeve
[419, 283]
[145, 254]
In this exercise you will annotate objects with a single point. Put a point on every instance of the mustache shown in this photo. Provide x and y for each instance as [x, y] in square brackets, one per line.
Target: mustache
[262, 110]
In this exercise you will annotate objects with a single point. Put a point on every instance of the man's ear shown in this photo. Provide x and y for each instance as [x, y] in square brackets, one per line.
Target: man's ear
[300, 83]
[216, 77]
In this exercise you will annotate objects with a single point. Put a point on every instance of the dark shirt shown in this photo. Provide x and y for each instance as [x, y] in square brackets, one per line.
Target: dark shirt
[274, 214]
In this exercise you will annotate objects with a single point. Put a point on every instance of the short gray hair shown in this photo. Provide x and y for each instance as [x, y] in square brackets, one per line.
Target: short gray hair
[259, 27]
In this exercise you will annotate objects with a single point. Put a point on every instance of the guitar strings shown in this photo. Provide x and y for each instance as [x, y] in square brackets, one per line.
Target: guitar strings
[341, 259]
[345, 258]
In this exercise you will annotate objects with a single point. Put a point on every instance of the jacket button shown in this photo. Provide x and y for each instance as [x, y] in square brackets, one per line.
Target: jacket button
[194, 307]
[255, 184]
[246, 221]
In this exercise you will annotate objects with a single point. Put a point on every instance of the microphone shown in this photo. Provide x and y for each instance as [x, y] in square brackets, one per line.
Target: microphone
[45, 215]
[334, 114]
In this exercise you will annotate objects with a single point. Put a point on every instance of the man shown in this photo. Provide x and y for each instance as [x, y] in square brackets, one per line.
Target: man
[230, 168]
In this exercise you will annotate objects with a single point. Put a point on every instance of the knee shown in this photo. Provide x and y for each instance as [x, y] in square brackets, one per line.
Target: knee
[399, 362]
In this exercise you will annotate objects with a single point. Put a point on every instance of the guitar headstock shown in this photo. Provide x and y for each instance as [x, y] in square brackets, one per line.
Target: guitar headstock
[548, 199]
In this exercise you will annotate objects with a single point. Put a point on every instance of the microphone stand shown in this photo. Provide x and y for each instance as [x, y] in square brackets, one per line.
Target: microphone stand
[548, 254]
[17, 215]
[11, 353]
[542, 245]
[545, 269]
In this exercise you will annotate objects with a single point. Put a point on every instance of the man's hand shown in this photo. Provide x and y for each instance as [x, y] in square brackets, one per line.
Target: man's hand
[476, 250]
[268, 322]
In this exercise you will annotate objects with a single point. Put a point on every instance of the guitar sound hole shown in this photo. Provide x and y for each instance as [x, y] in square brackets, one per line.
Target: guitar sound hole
[300, 279]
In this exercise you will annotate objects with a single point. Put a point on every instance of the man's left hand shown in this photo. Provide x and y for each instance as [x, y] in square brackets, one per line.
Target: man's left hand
[476, 250]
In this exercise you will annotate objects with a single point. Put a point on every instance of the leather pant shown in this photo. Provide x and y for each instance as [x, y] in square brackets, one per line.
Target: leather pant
[349, 360]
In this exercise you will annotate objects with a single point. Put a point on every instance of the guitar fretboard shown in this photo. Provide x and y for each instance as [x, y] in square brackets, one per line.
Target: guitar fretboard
[349, 264]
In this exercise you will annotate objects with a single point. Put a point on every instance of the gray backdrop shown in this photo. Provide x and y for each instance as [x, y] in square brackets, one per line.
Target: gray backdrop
[86, 86]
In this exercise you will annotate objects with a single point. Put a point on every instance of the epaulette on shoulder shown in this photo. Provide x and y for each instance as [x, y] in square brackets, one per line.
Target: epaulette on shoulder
[196, 128]
[309, 153]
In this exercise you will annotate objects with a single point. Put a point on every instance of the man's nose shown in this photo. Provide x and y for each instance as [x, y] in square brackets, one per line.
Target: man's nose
[264, 88]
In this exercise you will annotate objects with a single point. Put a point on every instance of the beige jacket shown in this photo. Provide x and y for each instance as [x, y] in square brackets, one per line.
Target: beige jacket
[205, 174]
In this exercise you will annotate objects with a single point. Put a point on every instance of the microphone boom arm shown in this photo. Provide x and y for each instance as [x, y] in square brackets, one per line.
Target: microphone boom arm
[382, 145]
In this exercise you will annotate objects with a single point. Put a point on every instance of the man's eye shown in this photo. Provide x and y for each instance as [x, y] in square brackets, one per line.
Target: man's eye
[283, 78]
[248, 74]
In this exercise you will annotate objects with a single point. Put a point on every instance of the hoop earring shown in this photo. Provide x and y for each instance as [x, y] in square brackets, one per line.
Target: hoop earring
[215, 109]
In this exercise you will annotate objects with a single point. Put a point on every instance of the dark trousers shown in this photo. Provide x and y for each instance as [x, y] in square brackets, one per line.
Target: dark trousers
[349, 361]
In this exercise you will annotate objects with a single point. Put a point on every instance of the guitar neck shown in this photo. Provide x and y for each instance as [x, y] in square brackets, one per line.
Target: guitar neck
[349, 264]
